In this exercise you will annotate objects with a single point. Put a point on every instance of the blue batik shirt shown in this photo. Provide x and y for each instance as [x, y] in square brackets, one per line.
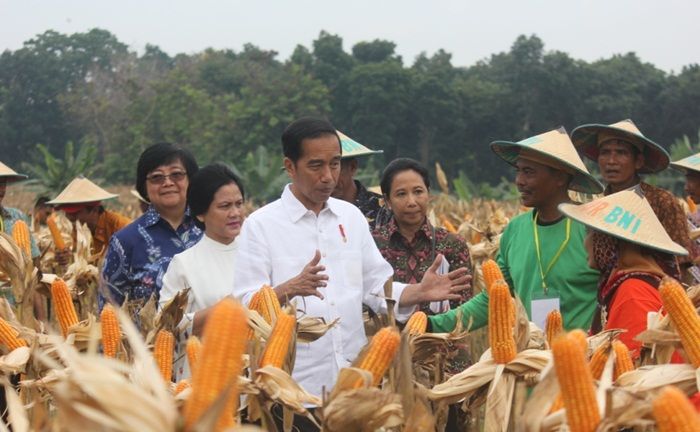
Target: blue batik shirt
[139, 254]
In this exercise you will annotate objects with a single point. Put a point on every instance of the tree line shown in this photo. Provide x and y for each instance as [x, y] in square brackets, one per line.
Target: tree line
[89, 89]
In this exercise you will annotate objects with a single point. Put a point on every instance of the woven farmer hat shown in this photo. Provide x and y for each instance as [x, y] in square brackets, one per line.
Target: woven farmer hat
[690, 163]
[553, 148]
[352, 148]
[587, 139]
[138, 196]
[626, 215]
[81, 191]
[8, 174]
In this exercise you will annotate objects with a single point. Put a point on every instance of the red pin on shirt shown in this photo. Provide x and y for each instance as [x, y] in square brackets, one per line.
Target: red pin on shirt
[342, 233]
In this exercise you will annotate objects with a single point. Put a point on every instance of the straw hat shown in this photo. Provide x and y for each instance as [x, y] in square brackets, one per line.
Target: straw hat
[691, 163]
[81, 191]
[352, 148]
[626, 215]
[8, 174]
[587, 137]
[553, 148]
[138, 196]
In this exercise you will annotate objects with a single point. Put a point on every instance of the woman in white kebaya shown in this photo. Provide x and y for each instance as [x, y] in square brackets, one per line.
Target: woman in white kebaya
[215, 197]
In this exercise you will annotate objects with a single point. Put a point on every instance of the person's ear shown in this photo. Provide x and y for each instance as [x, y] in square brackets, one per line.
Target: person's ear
[290, 167]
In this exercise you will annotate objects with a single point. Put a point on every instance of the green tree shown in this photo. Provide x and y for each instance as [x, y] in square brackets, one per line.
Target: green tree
[54, 174]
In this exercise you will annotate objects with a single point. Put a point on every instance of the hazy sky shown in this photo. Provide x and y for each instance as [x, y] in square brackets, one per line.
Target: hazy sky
[663, 32]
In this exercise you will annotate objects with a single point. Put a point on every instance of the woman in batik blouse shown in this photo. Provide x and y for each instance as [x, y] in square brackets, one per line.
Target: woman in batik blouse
[408, 241]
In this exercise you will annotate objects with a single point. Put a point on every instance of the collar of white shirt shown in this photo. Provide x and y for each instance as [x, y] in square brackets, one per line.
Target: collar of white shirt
[296, 210]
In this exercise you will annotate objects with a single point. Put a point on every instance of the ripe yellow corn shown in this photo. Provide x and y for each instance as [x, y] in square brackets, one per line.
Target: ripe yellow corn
[623, 360]
[163, 353]
[63, 305]
[598, 360]
[580, 336]
[269, 305]
[557, 404]
[111, 334]
[417, 324]
[55, 233]
[21, 236]
[553, 326]
[278, 343]
[10, 337]
[193, 347]
[576, 384]
[691, 205]
[182, 385]
[381, 352]
[491, 273]
[674, 412]
[501, 320]
[219, 365]
[683, 316]
[448, 225]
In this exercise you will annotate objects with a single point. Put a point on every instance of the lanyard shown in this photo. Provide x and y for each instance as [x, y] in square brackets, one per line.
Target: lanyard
[544, 273]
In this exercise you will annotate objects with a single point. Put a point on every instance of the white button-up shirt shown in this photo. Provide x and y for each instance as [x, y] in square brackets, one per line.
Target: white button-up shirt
[275, 244]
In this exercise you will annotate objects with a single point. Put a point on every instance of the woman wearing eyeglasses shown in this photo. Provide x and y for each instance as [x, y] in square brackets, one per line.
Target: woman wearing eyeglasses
[216, 198]
[138, 255]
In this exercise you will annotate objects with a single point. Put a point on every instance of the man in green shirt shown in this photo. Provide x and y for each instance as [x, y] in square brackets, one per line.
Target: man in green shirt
[541, 251]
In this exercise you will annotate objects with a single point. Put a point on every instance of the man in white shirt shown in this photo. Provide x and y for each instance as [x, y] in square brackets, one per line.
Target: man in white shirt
[318, 251]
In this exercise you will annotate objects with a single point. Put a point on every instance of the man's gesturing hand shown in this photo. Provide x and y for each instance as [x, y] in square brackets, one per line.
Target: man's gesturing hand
[305, 283]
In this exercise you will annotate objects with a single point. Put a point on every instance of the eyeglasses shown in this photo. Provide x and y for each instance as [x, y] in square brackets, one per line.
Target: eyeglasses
[159, 179]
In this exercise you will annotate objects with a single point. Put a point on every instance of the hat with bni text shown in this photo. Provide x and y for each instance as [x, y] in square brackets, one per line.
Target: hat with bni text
[9, 175]
[81, 191]
[589, 137]
[554, 149]
[690, 163]
[352, 148]
[628, 216]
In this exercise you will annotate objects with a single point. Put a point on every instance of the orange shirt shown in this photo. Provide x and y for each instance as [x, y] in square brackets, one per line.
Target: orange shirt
[109, 223]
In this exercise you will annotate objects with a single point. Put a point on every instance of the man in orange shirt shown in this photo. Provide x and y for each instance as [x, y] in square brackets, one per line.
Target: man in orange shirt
[81, 201]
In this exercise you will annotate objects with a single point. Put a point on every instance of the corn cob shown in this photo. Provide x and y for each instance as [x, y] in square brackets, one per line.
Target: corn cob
[598, 360]
[448, 225]
[691, 205]
[10, 337]
[111, 334]
[278, 343]
[580, 336]
[55, 233]
[674, 412]
[683, 316]
[268, 306]
[417, 324]
[63, 305]
[193, 347]
[182, 385]
[557, 404]
[21, 236]
[491, 273]
[163, 353]
[623, 361]
[553, 326]
[501, 320]
[576, 384]
[219, 365]
[381, 352]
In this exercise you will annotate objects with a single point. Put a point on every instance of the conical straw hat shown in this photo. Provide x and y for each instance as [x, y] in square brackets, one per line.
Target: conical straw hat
[586, 139]
[691, 163]
[138, 196]
[81, 190]
[9, 174]
[352, 148]
[555, 149]
[626, 215]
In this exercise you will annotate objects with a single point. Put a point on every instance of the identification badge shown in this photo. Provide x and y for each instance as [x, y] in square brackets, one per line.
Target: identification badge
[541, 307]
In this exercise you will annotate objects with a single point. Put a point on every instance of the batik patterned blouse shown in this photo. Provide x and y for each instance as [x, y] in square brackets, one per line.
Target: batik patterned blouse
[139, 254]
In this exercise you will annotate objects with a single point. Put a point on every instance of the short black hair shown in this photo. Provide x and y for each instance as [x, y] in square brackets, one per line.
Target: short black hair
[205, 184]
[161, 154]
[305, 128]
[398, 166]
[41, 202]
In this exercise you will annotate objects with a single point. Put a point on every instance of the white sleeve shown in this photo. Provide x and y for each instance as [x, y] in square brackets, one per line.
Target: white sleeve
[376, 271]
[174, 281]
[253, 264]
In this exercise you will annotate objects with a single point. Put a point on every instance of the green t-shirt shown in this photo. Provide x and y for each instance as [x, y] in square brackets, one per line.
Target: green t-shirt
[570, 278]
